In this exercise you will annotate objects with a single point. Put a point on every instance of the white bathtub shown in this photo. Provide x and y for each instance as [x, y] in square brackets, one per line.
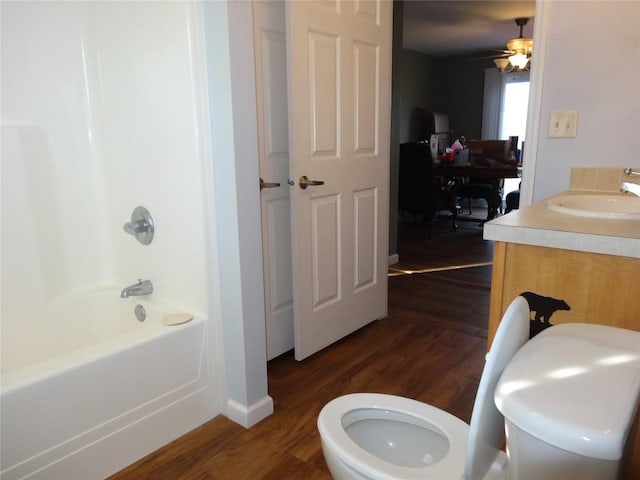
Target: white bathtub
[94, 385]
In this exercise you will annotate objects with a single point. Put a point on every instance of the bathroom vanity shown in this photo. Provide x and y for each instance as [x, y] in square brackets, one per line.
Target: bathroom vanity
[586, 269]
[580, 266]
[575, 268]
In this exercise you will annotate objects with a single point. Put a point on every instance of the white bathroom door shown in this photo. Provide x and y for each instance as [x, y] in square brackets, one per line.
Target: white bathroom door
[273, 151]
[339, 77]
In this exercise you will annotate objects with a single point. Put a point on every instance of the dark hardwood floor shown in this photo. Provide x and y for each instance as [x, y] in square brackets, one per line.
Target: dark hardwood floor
[430, 347]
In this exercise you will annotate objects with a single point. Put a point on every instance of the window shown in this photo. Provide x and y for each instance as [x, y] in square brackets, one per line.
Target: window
[515, 99]
[513, 114]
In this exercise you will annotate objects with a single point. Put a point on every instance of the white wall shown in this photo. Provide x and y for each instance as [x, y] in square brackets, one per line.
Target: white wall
[590, 63]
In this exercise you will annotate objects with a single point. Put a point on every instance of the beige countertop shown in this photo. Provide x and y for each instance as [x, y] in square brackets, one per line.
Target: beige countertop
[537, 225]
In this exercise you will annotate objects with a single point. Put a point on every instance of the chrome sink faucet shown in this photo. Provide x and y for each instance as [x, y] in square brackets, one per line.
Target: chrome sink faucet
[629, 186]
[143, 287]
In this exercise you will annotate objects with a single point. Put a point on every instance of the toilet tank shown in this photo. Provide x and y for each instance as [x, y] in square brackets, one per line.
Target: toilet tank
[569, 397]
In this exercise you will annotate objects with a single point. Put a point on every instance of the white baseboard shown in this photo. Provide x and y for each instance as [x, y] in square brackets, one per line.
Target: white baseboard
[393, 259]
[249, 416]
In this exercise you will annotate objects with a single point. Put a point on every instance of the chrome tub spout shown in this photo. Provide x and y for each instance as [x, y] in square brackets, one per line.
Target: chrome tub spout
[142, 287]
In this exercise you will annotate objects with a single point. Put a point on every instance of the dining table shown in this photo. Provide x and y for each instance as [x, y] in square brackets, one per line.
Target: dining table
[476, 181]
[487, 172]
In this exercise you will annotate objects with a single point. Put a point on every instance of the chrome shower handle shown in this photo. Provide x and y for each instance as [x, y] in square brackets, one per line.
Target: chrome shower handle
[136, 227]
[141, 225]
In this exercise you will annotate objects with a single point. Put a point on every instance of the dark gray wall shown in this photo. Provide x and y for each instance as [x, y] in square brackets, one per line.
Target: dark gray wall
[460, 81]
[417, 84]
[453, 85]
[396, 115]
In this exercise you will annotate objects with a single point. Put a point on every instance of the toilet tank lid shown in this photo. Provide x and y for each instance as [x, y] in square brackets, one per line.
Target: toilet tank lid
[575, 386]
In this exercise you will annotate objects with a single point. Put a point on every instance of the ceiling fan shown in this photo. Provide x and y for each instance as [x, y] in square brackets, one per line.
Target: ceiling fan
[517, 56]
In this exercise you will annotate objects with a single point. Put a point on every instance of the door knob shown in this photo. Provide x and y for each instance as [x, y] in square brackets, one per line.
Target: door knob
[264, 184]
[305, 182]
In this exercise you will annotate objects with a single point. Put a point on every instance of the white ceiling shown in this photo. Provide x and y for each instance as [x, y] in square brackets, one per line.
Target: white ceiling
[455, 27]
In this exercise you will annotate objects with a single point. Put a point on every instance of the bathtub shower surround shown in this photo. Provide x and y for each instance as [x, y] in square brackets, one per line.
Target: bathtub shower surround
[102, 110]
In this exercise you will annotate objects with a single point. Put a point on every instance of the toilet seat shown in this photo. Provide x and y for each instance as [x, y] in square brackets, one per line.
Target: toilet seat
[451, 466]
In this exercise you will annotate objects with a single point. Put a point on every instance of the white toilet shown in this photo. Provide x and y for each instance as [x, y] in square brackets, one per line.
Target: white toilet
[376, 436]
[569, 398]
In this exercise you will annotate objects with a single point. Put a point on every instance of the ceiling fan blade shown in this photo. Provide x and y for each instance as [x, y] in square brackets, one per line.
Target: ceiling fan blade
[501, 50]
[489, 57]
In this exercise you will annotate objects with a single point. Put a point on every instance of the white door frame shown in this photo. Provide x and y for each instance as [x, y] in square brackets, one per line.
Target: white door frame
[534, 119]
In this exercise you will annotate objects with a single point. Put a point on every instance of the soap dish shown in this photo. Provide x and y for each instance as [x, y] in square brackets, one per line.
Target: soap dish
[177, 319]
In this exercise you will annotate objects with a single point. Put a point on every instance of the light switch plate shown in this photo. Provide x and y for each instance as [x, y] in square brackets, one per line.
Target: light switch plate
[563, 124]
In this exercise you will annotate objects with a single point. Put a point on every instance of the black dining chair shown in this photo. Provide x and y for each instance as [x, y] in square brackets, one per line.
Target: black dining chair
[419, 191]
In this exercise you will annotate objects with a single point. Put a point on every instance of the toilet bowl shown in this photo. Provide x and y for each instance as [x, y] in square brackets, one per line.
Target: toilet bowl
[375, 436]
[370, 435]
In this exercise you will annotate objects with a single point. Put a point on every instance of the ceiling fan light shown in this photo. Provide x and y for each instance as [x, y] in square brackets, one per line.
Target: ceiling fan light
[501, 63]
[519, 60]
[520, 44]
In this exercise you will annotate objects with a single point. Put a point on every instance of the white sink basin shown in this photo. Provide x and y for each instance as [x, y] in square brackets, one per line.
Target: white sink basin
[614, 207]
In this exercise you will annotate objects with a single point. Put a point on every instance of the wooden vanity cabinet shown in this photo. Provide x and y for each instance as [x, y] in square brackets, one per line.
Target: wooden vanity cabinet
[603, 289]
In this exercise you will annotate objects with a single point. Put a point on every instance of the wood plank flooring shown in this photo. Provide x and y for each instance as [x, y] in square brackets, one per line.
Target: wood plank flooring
[430, 347]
